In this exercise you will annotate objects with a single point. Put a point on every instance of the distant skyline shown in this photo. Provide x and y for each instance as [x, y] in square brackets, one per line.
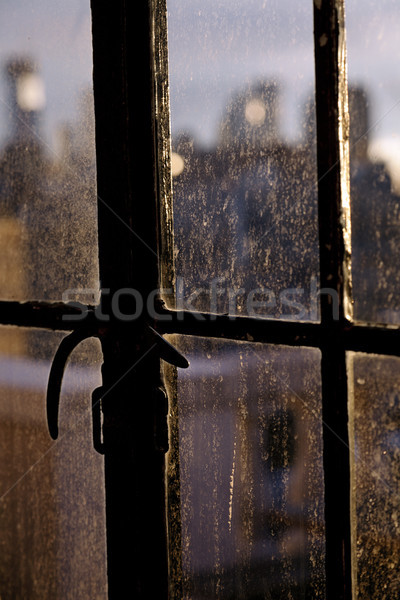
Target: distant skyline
[216, 47]
[373, 49]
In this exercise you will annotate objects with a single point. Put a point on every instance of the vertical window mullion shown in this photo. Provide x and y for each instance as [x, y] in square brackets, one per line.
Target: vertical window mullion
[133, 400]
[332, 155]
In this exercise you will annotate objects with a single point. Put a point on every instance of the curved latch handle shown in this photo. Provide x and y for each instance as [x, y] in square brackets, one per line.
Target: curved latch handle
[152, 339]
[68, 344]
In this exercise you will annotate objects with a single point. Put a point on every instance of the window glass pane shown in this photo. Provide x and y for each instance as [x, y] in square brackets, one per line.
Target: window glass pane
[375, 451]
[243, 163]
[52, 522]
[373, 55]
[47, 157]
[251, 476]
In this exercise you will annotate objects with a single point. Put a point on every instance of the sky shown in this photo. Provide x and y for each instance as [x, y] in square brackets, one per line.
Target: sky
[216, 47]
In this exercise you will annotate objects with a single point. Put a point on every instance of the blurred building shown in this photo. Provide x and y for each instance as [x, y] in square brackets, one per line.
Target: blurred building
[246, 219]
[375, 223]
[247, 200]
[47, 199]
[252, 117]
[22, 164]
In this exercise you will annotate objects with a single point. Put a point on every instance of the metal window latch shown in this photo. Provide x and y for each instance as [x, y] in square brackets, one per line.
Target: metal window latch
[160, 430]
[151, 341]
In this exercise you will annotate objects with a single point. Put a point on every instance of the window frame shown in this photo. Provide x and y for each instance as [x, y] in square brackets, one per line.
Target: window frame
[130, 56]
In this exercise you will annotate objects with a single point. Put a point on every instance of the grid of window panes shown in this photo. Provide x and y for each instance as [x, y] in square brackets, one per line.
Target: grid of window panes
[245, 195]
[246, 235]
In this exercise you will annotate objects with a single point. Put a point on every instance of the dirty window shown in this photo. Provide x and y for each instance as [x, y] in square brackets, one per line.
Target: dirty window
[52, 517]
[52, 522]
[373, 38]
[243, 162]
[251, 474]
[47, 156]
[374, 428]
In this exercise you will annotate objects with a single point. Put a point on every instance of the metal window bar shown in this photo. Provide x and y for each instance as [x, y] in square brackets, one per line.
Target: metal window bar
[129, 215]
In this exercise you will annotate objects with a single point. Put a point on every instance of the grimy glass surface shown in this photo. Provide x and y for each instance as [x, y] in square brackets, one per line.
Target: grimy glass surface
[48, 217]
[251, 474]
[243, 162]
[373, 38]
[52, 515]
[374, 428]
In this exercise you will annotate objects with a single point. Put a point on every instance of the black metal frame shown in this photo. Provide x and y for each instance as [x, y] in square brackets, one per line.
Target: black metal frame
[135, 233]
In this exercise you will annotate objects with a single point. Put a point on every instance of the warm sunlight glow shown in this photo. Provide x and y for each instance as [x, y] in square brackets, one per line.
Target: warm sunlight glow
[255, 112]
[387, 150]
[30, 92]
[177, 164]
